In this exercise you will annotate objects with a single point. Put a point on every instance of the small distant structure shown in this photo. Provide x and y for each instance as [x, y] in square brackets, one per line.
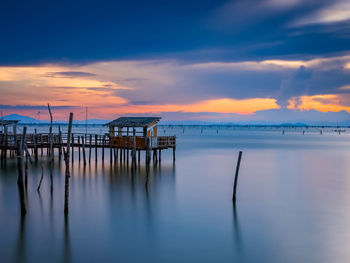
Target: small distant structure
[139, 132]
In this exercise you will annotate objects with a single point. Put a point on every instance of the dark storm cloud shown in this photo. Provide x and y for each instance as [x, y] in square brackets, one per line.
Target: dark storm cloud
[83, 31]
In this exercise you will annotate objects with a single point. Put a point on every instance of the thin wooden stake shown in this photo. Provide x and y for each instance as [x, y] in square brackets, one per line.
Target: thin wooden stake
[103, 148]
[20, 154]
[66, 158]
[236, 176]
[96, 139]
[90, 148]
[72, 146]
[79, 147]
[83, 142]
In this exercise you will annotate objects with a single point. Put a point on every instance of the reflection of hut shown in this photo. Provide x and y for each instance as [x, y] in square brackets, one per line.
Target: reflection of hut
[138, 131]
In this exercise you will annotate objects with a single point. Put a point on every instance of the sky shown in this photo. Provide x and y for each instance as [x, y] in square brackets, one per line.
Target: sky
[183, 60]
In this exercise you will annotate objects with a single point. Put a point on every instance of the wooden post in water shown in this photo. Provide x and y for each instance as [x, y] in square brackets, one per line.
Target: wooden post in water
[236, 176]
[41, 143]
[20, 154]
[83, 143]
[90, 142]
[96, 148]
[60, 140]
[127, 145]
[50, 134]
[6, 143]
[66, 157]
[79, 147]
[35, 146]
[103, 148]
[134, 146]
[72, 146]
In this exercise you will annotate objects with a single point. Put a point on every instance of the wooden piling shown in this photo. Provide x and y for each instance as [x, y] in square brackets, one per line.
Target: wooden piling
[236, 176]
[134, 146]
[103, 148]
[79, 147]
[20, 154]
[35, 146]
[60, 140]
[41, 143]
[96, 148]
[6, 145]
[90, 144]
[83, 144]
[66, 188]
[72, 146]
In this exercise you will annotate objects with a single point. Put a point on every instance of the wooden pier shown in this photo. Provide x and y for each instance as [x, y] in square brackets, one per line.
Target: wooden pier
[133, 135]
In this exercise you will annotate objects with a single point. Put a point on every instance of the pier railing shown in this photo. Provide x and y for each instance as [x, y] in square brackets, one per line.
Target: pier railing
[94, 140]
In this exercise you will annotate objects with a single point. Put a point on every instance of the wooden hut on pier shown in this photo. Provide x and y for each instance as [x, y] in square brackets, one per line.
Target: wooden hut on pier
[138, 133]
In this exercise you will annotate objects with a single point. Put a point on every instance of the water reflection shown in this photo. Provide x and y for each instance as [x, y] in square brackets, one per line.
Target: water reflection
[237, 230]
[66, 241]
[20, 249]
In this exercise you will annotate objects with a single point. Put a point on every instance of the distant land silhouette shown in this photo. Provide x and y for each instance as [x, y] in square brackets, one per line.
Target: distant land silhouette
[264, 117]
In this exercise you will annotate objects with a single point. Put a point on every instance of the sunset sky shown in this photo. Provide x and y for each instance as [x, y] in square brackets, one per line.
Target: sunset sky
[184, 60]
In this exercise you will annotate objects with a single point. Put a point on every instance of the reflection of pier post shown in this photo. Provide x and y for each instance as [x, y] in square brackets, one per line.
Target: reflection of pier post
[236, 229]
[20, 248]
[66, 240]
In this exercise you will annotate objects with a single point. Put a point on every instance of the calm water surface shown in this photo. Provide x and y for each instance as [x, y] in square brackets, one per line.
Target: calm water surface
[293, 203]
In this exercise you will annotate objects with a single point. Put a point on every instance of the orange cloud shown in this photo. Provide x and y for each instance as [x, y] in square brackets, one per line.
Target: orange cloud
[37, 86]
[223, 105]
[323, 103]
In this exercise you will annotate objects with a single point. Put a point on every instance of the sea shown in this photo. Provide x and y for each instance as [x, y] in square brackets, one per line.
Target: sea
[293, 198]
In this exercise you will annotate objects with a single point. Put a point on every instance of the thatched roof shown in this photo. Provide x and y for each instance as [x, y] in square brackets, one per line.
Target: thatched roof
[134, 121]
[8, 122]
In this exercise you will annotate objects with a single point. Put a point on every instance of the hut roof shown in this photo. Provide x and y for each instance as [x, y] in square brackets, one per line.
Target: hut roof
[133, 121]
[8, 122]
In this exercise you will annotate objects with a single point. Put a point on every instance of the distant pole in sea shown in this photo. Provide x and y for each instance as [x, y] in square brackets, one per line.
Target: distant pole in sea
[236, 177]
